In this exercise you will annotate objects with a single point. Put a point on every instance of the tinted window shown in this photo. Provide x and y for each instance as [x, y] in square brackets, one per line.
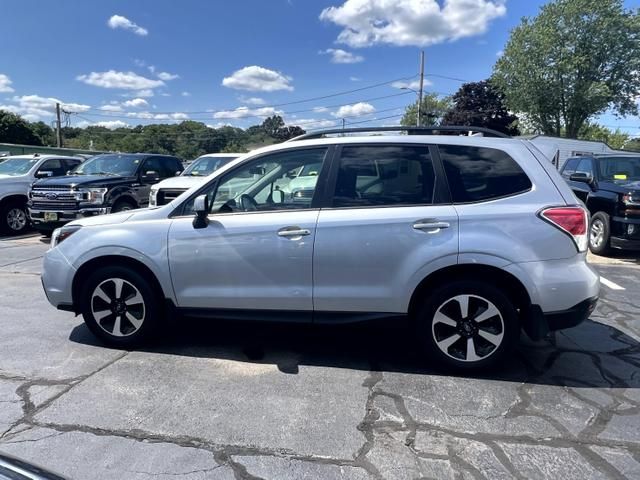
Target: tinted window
[619, 168]
[585, 167]
[71, 164]
[54, 166]
[166, 167]
[476, 174]
[109, 164]
[380, 175]
[570, 167]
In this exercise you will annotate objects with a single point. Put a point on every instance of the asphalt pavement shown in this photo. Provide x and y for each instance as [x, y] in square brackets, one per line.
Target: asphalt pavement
[225, 400]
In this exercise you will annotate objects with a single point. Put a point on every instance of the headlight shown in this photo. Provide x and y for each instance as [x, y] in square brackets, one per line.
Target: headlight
[62, 233]
[153, 197]
[631, 198]
[92, 195]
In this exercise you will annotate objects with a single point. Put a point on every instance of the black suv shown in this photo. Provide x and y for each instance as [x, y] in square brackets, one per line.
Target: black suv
[609, 185]
[103, 184]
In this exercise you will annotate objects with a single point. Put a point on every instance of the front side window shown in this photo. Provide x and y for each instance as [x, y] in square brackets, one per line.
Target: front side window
[475, 174]
[54, 166]
[570, 167]
[110, 164]
[615, 168]
[585, 167]
[384, 175]
[267, 183]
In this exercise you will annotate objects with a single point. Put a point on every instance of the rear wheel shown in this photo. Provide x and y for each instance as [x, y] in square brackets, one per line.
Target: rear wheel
[600, 234]
[120, 307]
[13, 218]
[468, 325]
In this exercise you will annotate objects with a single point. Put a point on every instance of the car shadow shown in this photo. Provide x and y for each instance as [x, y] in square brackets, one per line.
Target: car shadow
[591, 355]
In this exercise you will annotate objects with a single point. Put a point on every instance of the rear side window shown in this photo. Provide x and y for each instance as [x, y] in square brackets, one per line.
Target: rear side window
[382, 175]
[475, 174]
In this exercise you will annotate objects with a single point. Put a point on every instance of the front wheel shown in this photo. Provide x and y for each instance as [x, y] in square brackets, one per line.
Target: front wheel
[120, 307]
[468, 325]
[122, 206]
[600, 234]
[13, 218]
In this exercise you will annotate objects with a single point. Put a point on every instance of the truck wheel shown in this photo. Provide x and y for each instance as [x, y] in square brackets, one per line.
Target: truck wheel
[468, 325]
[122, 206]
[120, 307]
[14, 219]
[600, 234]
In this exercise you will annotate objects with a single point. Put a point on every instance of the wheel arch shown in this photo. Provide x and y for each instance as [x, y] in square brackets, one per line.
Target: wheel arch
[14, 197]
[505, 280]
[92, 265]
[124, 198]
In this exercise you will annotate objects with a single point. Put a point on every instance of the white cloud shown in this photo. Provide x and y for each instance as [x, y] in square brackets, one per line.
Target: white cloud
[355, 79]
[167, 76]
[320, 109]
[111, 108]
[252, 100]
[355, 110]
[499, 53]
[121, 80]
[118, 21]
[411, 22]
[146, 93]
[34, 107]
[112, 124]
[186, 94]
[136, 103]
[179, 116]
[257, 79]
[144, 115]
[413, 84]
[5, 84]
[342, 56]
[246, 112]
[312, 123]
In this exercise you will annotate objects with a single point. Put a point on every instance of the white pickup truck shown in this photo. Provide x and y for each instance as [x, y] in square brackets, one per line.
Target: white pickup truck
[17, 173]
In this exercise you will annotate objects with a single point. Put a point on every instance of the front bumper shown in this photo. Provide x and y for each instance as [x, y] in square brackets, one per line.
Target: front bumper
[57, 278]
[625, 233]
[63, 216]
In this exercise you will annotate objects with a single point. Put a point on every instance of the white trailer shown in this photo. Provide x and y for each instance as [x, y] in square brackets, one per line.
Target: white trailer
[557, 150]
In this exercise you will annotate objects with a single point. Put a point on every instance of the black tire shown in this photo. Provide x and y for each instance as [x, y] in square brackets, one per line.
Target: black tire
[11, 224]
[123, 206]
[431, 330]
[600, 225]
[104, 327]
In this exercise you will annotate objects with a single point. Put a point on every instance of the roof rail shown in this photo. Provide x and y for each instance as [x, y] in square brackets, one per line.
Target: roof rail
[410, 131]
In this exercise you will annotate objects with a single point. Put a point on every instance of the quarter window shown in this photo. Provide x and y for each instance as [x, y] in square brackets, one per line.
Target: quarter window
[475, 174]
[381, 175]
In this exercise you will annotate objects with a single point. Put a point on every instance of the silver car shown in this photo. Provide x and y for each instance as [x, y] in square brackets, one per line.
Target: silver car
[473, 238]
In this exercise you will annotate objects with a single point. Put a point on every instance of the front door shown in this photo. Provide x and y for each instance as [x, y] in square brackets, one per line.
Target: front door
[256, 251]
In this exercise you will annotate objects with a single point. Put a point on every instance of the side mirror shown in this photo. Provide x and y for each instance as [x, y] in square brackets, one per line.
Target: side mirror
[150, 176]
[44, 174]
[581, 177]
[201, 207]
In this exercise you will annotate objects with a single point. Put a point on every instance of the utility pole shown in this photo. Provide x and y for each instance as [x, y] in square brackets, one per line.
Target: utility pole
[343, 122]
[419, 120]
[58, 126]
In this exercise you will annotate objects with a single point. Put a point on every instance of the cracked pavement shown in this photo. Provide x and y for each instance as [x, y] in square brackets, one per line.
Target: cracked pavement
[249, 401]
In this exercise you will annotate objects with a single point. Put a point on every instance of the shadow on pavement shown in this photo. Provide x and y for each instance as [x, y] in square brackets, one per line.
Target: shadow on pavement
[590, 355]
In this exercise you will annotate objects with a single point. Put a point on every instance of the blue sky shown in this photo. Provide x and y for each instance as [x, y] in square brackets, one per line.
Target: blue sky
[235, 62]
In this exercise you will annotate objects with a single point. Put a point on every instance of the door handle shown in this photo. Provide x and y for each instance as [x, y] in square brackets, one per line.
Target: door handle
[293, 232]
[430, 225]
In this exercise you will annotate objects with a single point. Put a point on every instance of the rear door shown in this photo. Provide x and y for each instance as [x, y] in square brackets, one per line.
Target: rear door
[386, 222]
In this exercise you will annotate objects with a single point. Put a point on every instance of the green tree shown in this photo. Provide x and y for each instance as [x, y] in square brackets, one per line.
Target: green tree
[480, 104]
[433, 110]
[633, 145]
[13, 129]
[44, 132]
[616, 139]
[271, 125]
[576, 59]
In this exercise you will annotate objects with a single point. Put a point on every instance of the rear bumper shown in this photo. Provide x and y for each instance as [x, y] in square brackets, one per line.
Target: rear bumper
[538, 324]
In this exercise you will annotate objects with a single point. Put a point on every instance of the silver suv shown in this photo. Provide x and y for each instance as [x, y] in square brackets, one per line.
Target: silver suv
[473, 238]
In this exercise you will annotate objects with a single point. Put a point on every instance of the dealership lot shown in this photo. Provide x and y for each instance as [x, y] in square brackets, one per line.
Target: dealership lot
[283, 401]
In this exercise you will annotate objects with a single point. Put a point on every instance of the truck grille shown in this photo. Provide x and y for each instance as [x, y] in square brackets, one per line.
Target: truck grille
[168, 195]
[53, 198]
[57, 206]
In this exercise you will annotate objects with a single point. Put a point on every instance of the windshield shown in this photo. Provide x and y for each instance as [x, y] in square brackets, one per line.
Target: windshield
[204, 166]
[17, 165]
[121, 165]
[617, 168]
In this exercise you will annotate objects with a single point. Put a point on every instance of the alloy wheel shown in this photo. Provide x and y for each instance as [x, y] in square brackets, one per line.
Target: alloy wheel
[468, 328]
[596, 233]
[118, 307]
[16, 219]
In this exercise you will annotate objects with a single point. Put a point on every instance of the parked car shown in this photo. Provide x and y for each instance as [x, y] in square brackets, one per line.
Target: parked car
[171, 188]
[472, 238]
[609, 186]
[103, 184]
[17, 173]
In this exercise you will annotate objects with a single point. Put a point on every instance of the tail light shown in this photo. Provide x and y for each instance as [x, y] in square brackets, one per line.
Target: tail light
[574, 221]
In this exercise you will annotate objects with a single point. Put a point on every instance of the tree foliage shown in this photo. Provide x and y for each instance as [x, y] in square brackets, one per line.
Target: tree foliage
[432, 112]
[616, 139]
[13, 129]
[576, 59]
[480, 104]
